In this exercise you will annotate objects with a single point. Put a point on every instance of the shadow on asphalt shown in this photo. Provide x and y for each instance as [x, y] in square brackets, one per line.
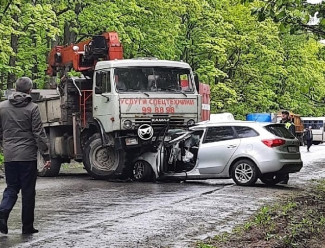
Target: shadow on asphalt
[215, 182]
[277, 186]
[208, 183]
[68, 175]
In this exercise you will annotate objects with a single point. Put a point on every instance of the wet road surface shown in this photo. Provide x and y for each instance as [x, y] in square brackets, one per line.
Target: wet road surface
[73, 210]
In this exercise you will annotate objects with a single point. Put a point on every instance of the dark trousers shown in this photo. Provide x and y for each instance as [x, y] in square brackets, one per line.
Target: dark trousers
[20, 176]
[309, 143]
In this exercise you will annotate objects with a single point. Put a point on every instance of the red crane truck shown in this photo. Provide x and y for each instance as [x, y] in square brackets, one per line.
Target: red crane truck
[109, 115]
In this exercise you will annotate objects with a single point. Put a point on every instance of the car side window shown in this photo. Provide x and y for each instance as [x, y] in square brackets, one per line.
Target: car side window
[245, 132]
[215, 134]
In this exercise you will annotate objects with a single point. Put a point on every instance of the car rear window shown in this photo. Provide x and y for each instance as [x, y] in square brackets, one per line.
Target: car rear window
[245, 132]
[215, 134]
[280, 131]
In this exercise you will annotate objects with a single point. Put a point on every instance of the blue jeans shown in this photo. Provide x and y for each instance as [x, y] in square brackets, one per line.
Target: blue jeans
[20, 176]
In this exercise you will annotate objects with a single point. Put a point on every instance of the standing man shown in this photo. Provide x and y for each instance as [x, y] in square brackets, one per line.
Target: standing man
[21, 135]
[309, 138]
[291, 127]
[288, 123]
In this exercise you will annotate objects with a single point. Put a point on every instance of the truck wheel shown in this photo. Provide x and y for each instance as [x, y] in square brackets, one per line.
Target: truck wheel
[102, 162]
[53, 171]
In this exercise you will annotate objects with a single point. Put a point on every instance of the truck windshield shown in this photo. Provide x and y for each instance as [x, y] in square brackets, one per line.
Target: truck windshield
[153, 79]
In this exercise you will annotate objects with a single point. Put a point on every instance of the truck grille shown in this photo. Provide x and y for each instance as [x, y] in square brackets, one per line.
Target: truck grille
[173, 122]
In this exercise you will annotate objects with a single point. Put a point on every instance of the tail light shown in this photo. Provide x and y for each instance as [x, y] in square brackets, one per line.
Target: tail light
[274, 142]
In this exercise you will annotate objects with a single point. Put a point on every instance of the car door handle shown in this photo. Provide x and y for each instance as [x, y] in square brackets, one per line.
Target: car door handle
[231, 146]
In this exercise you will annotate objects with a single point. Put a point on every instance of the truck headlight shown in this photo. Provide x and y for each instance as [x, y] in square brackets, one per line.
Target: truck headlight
[127, 124]
[190, 122]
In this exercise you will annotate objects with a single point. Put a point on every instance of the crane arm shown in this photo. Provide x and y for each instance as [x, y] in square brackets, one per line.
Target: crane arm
[83, 56]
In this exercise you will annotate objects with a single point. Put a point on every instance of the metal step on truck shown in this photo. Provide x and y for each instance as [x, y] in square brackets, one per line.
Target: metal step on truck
[109, 115]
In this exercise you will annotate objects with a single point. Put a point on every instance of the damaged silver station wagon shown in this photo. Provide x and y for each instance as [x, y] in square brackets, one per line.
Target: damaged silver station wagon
[243, 151]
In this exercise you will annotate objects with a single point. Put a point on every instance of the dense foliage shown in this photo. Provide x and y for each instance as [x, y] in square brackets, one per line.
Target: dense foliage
[253, 63]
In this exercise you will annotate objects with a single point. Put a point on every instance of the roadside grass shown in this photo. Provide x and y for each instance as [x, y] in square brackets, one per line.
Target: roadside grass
[297, 221]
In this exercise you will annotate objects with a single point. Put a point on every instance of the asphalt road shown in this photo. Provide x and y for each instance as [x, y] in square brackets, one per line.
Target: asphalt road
[73, 210]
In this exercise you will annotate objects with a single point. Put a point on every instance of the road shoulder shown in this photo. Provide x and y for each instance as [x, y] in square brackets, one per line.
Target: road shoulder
[296, 221]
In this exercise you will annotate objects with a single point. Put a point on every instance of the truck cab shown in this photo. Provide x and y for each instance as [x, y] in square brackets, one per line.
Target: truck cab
[106, 119]
[131, 93]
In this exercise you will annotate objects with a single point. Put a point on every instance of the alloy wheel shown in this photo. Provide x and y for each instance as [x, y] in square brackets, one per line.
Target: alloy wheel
[244, 172]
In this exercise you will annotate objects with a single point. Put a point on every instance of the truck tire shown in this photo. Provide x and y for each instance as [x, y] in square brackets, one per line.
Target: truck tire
[53, 171]
[98, 164]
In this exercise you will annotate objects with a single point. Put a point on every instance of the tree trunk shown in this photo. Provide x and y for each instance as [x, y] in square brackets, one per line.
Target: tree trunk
[35, 67]
[69, 35]
[12, 61]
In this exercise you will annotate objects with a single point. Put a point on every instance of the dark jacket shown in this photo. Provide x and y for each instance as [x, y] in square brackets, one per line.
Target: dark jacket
[290, 126]
[21, 130]
[309, 135]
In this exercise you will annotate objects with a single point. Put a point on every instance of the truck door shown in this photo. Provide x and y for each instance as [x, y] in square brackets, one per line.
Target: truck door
[103, 99]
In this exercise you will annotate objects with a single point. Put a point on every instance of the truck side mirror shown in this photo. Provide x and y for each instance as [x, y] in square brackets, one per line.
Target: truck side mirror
[197, 82]
[98, 90]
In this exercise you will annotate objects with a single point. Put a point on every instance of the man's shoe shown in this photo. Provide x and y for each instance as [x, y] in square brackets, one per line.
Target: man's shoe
[3, 226]
[30, 231]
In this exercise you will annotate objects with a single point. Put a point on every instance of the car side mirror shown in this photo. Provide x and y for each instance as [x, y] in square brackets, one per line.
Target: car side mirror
[98, 90]
[197, 82]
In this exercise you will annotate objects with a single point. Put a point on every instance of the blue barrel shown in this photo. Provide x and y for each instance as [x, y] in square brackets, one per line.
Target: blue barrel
[260, 117]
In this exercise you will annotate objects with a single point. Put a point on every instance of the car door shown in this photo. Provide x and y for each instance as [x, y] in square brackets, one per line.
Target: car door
[217, 148]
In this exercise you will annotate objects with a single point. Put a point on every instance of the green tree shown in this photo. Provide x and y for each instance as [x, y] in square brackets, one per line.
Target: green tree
[252, 62]
[293, 15]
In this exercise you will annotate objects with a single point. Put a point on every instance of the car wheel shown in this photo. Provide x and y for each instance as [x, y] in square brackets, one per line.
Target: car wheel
[271, 178]
[244, 172]
[142, 171]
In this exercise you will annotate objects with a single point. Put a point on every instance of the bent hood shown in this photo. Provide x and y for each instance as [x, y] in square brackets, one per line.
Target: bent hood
[20, 99]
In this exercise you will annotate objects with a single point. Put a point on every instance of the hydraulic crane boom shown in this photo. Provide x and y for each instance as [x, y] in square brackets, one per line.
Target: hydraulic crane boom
[83, 56]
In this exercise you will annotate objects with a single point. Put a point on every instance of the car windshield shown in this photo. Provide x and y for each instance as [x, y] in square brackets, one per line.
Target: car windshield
[153, 79]
[280, 131]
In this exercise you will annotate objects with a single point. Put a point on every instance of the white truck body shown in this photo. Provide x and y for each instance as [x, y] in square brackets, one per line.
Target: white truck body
[122, 96]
